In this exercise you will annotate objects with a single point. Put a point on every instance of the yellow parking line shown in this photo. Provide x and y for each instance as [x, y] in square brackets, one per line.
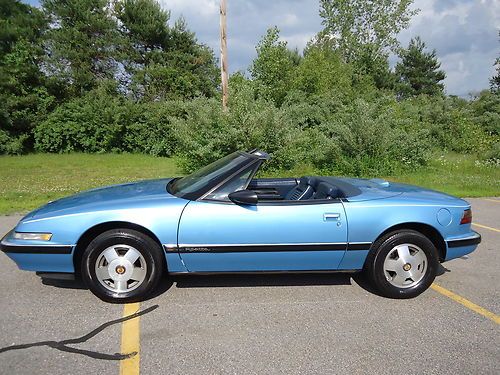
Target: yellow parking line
[130, 341]
[465, 302]
[492, 200]
[485, 227]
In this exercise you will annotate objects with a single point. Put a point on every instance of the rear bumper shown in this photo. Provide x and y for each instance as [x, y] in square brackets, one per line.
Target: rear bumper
[475, 239]
[458, 247]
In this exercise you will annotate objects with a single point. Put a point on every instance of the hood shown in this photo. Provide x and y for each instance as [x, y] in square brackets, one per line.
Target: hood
[107, 197]
[370, 189]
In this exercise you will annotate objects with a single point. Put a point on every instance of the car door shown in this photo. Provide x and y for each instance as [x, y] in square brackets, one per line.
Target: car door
[221, 236]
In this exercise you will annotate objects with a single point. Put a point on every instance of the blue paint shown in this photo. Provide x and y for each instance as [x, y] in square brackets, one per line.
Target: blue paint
[457, 252]
[353, 260]
[264, 261]
[43, 262]
[212, 223]
[175, 221]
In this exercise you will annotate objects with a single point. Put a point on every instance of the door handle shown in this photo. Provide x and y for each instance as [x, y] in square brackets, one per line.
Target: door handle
[331, 216]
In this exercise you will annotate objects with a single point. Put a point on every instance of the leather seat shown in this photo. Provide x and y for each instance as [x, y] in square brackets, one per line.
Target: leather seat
[304, 190]
[326, 191]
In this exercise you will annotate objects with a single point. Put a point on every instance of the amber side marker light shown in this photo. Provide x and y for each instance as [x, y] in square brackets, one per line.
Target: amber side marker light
[466, 217]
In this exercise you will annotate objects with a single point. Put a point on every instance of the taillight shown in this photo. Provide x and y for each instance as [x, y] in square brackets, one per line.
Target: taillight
[466, 217]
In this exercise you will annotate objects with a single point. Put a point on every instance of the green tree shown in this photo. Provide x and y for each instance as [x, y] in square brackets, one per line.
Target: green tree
[322, 72]
[486, 111]
[24, 99]
[351, 26]
[273, 67]
[495, 80]
[162, 62]
[81, 43]
[418, 71]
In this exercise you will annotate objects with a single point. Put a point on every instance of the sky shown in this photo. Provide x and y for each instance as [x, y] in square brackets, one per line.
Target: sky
[463, 32]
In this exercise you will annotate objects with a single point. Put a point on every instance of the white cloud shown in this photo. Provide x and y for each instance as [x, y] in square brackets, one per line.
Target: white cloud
[465, 36]
[204, 8]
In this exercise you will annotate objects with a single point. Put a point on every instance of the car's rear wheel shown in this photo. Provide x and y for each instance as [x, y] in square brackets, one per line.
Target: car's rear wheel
[402, 264]
[122, 265]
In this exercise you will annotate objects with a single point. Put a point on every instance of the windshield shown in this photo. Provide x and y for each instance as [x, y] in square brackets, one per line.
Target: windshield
[208, 176]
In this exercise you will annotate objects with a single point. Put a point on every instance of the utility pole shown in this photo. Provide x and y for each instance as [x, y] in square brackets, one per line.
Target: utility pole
[223, 54]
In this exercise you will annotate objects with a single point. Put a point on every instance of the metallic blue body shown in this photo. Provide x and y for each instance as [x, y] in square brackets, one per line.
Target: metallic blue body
[349, 226]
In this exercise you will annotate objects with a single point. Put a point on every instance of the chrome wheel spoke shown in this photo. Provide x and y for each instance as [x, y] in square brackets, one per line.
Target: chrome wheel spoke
[138, 274]
[102, 273]
[121, 285]
[404, 253]
[132, 255]
[414, 275]
[392, 265]
[110, 254]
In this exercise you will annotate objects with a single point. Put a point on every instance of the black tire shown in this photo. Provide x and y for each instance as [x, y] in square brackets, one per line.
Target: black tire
[152, 257]
[374, 265]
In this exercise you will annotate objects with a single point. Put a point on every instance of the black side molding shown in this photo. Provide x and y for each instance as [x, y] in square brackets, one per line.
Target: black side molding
[268, 248]
[35, 249]
[465, 242]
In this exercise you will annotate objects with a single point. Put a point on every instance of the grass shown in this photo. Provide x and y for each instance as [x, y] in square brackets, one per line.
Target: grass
[460, 175]
[29, 181]
[26, 182]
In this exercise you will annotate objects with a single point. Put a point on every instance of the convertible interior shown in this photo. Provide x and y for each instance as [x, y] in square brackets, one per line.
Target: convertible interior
[291, 189]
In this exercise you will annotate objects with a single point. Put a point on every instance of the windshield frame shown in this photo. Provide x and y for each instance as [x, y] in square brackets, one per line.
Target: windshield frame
[212, 183]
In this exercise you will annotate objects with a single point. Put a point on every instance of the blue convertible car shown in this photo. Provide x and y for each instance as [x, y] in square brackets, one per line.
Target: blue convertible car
[122, 238]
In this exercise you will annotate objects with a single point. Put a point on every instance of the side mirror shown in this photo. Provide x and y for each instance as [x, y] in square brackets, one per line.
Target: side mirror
[243, 197]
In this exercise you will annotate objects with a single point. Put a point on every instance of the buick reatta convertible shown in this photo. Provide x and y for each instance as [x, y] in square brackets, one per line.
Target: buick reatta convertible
[121, 239]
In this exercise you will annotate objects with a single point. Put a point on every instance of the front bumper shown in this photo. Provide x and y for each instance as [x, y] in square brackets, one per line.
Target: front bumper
[36, 256]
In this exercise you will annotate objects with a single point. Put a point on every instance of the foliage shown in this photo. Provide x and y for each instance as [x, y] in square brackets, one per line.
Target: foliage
[486, 111]
[418, 71]
[24, 97]
[119, 76]
[81, 44]
[351, 26]
[103, 122]
[495, 80]
[273, 68]
[163, 62]
[322, 72]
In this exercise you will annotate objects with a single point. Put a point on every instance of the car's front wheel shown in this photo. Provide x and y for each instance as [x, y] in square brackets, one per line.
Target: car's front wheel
[122, 265]
[402, 264]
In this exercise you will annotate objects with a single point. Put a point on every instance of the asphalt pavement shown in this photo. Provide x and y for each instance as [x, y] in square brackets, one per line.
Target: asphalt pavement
[274, 324]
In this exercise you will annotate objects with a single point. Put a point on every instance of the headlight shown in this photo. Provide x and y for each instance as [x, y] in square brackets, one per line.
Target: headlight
[32, 236]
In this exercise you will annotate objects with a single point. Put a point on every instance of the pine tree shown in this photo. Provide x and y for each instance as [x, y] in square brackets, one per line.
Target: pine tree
[81, 43]
[162, 61]
[24, 98]
[418, 71]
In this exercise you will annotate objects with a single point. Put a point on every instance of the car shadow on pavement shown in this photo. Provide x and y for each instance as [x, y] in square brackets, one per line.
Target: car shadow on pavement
[256, 280]
[245, 280]
[364, 283]
[65, 284]
[164, 285]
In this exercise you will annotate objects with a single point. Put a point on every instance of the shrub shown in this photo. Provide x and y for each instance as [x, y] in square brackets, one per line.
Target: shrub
[92, 123]
[99, 122]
